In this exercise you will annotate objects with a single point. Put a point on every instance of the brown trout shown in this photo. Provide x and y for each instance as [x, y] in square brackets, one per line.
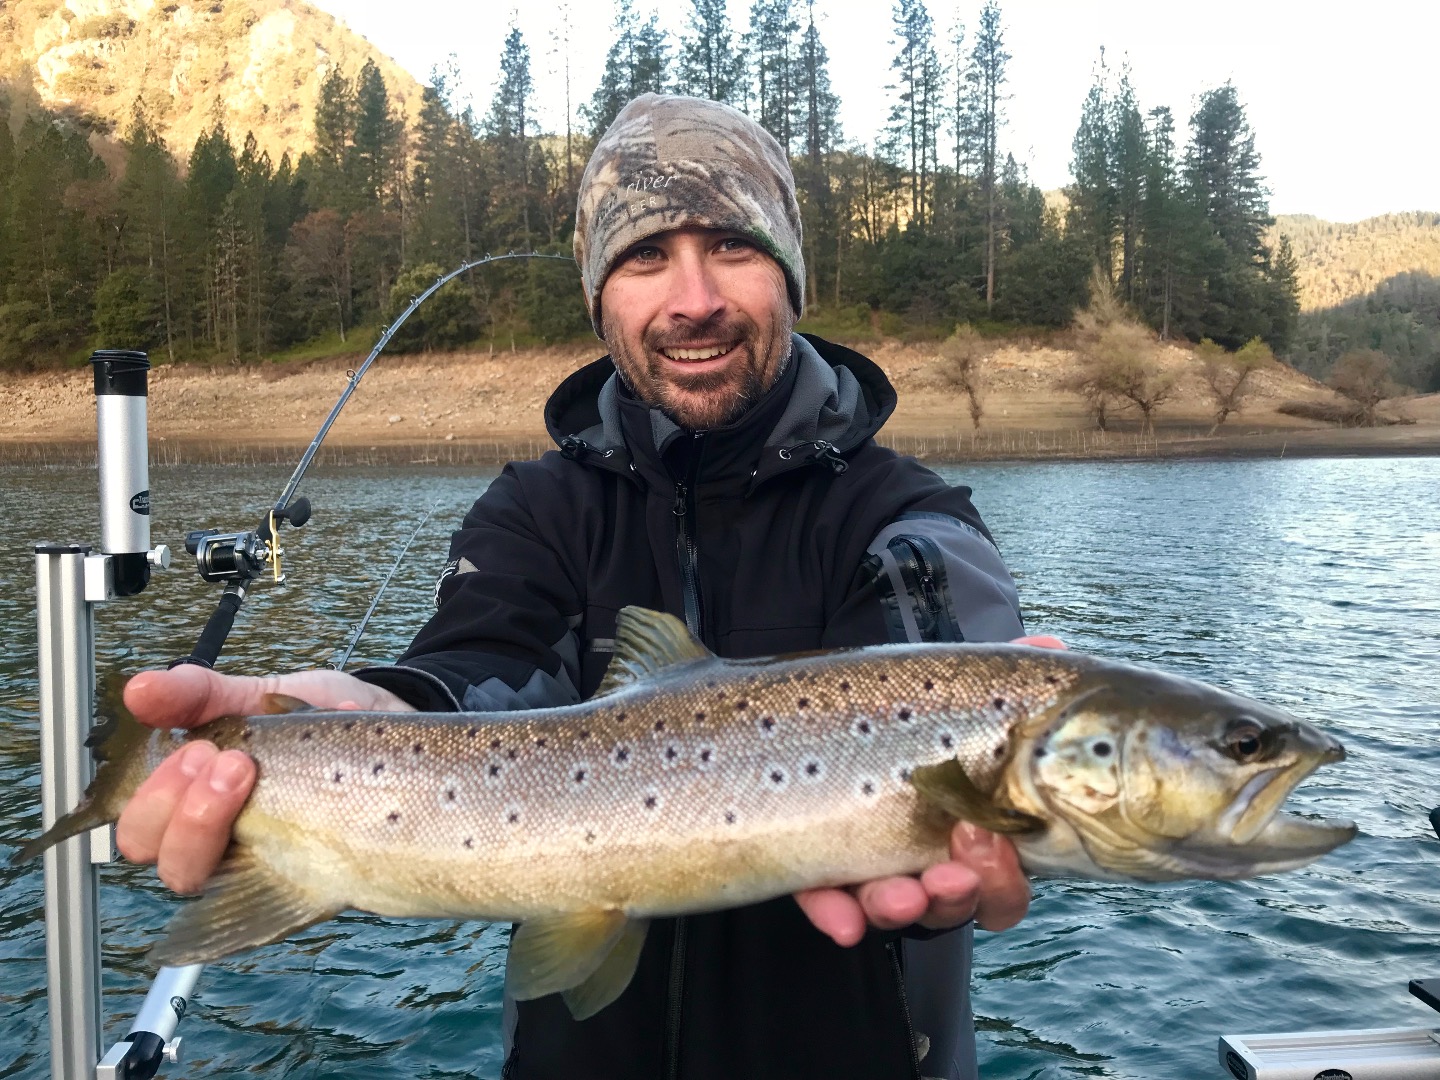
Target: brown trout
[691, 783]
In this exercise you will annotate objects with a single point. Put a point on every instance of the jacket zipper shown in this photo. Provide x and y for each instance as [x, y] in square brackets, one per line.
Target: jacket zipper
[893, 948]
[686, 553]
[928, 594]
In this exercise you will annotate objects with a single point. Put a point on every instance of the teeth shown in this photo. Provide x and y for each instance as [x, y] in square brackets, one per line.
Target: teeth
[697, 354]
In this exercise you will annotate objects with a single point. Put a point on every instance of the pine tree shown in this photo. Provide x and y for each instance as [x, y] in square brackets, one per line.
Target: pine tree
[375, 141]
[710, 64]
[819, 110]
[635, 64]
[914, 118]
[983, 105]
[149, 204]
[1222, 171]
[777, 70]
[508, 129]
[1127, 143]
[1092, 212]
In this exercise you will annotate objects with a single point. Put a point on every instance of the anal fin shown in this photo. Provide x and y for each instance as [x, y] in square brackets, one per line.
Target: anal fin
[557, 952]
[947, 786]
[612, 976]
[245, 905]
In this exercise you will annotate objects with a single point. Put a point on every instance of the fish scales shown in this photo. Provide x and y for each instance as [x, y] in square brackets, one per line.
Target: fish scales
[691, 783]
[672, 795]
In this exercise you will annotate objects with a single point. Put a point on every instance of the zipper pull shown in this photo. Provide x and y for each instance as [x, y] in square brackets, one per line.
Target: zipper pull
[679, 508]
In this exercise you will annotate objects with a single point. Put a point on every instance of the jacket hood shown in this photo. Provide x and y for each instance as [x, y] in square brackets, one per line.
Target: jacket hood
[837, 400]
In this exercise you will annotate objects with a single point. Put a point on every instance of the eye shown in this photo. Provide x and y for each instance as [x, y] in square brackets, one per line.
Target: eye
[1244, 741]
[737, 243]
[647, 253]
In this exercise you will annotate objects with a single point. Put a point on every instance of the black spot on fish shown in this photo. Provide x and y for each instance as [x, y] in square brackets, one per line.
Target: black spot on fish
[589, 837]
[494, 770]
[469, 841]
[393, 817]
[584, 734]
[742, 704]
[338, 776]
[377, 768]
[649, 802]
[473, 733]
[729, 817]
[494, 743]
[306, 736]
[379, 729]
[1103, 749]
[845, 685]
[863, 727]
[883, 677]
[579, 776]
[1039, 751]
[660, 724]
[804, 702]
[699, 717]
[867, 788]
[621, 754]
[905, 775]
[671, 753]
[348, 725]
[903, 714]
[1000, 751]
[418, 748]
[768, 723]
[513, 817]
[450, 794]
[929, 684]
[710, 684]
[246, 735]
[1053, 680]
[540, 743]
[705, 755]
[776, 776]
[998, 703]
[620, 718]
[812, 768]
[512, 754]
[946, 741]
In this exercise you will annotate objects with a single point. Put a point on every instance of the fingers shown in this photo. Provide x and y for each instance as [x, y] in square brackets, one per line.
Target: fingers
[181, 816]
[1043, 641]
[835, 913]
[189, 694]
[1003, 894]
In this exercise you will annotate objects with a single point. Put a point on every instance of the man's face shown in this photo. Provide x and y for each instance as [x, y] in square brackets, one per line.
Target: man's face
[699, 322]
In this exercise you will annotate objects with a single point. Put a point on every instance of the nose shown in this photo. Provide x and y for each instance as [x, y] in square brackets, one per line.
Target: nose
[694, 293]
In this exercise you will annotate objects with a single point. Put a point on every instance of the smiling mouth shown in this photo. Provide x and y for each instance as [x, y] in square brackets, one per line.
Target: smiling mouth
[696, 355]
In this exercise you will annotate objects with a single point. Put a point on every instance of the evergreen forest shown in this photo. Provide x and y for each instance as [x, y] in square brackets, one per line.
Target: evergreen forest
[219, 252]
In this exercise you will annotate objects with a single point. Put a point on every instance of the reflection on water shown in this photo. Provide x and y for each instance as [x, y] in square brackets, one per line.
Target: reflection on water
[1311, 584]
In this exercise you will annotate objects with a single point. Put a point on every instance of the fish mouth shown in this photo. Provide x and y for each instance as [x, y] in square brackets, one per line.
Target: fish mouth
[1287, 842]
[1255, 807]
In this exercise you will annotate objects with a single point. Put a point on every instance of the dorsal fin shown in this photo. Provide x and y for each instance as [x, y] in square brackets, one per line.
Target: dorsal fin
[648, 642]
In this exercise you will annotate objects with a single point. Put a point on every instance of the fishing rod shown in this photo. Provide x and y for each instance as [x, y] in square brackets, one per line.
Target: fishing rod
[72, 580]
[237, 559]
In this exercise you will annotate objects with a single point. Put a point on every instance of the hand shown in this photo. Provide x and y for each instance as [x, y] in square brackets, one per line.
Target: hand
[181, 815]
[983, 880]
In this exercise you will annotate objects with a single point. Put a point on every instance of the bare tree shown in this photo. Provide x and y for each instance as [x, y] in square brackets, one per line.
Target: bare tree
[1363, 376]
[1121, 362]
[1228, 377]
[960, 358]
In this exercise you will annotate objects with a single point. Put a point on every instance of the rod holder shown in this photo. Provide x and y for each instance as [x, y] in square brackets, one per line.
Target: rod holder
[121, 389]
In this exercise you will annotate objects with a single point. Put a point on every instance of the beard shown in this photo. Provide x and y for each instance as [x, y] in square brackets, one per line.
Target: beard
[701, 400]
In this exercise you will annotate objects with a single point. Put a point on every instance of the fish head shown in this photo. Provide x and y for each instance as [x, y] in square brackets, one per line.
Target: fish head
[1160, 778]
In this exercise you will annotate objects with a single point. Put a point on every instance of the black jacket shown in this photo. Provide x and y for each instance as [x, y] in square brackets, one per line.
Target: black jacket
[789, 530]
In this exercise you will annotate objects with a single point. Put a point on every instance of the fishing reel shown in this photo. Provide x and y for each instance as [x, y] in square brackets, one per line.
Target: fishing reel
[241, 557]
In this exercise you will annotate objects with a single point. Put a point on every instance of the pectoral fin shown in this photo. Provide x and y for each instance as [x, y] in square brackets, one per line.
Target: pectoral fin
[278, 704]
[245, 905]
[612, 976]
[559, 952]
[947, 786]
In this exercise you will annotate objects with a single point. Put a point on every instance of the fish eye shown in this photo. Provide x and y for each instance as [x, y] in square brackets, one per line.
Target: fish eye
[1244, 741]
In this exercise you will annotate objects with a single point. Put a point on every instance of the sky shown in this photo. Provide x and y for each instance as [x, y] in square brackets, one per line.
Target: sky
[1341, 97]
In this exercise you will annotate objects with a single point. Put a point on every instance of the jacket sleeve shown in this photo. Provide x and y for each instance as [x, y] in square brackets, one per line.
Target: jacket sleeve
[931, 573]
[504, 633]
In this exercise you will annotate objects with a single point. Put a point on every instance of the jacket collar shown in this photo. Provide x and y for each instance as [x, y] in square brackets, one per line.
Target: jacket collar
[829, 401]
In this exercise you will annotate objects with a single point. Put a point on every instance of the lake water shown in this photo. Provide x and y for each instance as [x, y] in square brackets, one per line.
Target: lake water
[1311, 584]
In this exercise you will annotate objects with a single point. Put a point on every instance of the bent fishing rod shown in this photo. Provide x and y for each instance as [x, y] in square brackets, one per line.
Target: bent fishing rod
[236, 559]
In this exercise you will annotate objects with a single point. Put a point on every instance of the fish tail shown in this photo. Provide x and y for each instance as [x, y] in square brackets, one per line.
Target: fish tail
[119, 743]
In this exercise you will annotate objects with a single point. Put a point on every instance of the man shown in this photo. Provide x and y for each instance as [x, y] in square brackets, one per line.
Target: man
[721, 468]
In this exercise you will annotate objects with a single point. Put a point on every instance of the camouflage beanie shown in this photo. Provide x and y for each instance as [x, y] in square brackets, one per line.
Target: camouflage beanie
[671, 161]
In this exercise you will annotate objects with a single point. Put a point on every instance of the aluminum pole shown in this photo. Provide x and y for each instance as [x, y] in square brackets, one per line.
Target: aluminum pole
[72, 918]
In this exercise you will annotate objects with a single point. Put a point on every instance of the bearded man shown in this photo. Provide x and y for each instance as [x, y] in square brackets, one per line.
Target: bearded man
[720, 467]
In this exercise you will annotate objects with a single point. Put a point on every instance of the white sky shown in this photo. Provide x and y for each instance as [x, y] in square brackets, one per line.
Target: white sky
[1342, 97]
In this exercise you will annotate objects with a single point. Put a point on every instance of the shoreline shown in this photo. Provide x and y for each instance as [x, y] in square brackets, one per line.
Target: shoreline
[1002, 445]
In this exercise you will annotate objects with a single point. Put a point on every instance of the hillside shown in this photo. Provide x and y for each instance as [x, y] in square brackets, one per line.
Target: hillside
[1342, 262]
[256, 64]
